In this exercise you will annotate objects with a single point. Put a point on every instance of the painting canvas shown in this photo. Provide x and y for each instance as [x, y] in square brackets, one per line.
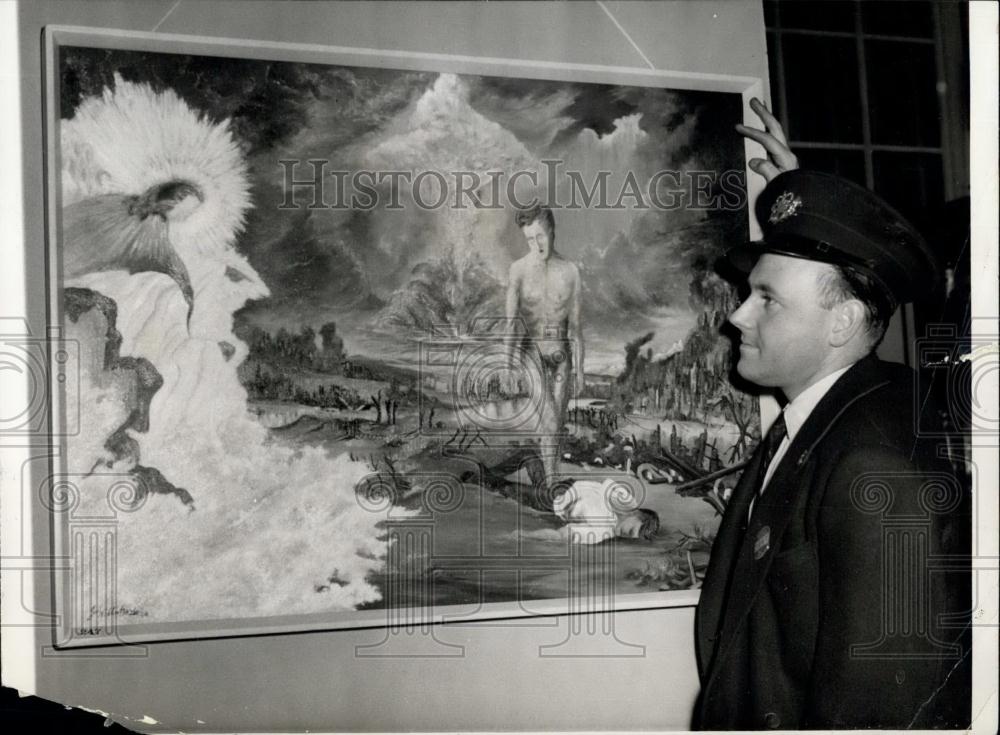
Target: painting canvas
[372, 338]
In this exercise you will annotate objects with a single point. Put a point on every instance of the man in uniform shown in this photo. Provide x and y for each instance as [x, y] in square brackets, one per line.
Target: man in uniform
[828, 601]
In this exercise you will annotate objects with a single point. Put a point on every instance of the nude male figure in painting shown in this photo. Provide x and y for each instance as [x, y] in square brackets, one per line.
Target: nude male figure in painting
[543, 295]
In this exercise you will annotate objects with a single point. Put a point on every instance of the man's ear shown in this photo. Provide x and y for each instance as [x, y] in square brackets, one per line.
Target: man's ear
[849, 320]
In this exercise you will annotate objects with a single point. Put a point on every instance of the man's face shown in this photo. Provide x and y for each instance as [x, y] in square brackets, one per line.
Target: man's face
[539, 239]
[783, 329]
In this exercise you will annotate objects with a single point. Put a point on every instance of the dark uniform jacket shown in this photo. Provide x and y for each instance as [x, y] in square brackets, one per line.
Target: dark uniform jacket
[824, 610]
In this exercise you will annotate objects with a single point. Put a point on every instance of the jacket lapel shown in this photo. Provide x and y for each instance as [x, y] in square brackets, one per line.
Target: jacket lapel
[771, 515]
[722, 559]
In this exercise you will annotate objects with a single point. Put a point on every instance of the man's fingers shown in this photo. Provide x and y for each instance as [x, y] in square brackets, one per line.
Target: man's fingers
[765, 168]
[771, 144]
[779, 152]
[771, 123]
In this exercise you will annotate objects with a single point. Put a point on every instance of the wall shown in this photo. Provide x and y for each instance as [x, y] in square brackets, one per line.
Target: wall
[314, 680]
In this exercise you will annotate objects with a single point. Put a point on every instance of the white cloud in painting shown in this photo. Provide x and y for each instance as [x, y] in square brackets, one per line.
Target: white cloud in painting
[442, 132]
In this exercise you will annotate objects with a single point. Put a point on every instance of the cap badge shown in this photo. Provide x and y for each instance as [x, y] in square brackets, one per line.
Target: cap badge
[785, 206]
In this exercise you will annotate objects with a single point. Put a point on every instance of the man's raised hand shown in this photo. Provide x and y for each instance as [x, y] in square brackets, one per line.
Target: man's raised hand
[779, 156]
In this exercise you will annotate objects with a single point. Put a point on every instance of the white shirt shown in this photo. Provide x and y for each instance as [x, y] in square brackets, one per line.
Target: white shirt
[796, 414]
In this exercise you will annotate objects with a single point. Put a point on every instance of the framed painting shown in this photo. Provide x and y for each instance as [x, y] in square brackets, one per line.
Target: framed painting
[356, 338]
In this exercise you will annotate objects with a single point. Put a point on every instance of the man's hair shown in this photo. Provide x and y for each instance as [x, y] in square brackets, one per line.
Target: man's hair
[525, 217]
[650, 523]
[843, 282]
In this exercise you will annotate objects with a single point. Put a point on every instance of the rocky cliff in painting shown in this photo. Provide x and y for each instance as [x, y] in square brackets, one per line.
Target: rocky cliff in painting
[131, 384]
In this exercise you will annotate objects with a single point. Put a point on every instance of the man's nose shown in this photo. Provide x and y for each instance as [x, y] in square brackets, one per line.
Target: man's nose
[741, 317]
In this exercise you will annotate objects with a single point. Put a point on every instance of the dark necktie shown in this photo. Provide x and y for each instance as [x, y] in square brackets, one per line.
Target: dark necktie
[775, 435]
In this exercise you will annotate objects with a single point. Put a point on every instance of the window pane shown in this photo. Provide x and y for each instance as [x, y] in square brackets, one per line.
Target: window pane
[769, 13]
[821, 87]
[911, 182]
[822, 15]
[848, 164]
[902, 93]
[772, 70]
[897, 18]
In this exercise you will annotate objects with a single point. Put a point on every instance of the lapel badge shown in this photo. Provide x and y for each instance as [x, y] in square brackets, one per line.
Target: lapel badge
[762, 543]
[785, 206]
